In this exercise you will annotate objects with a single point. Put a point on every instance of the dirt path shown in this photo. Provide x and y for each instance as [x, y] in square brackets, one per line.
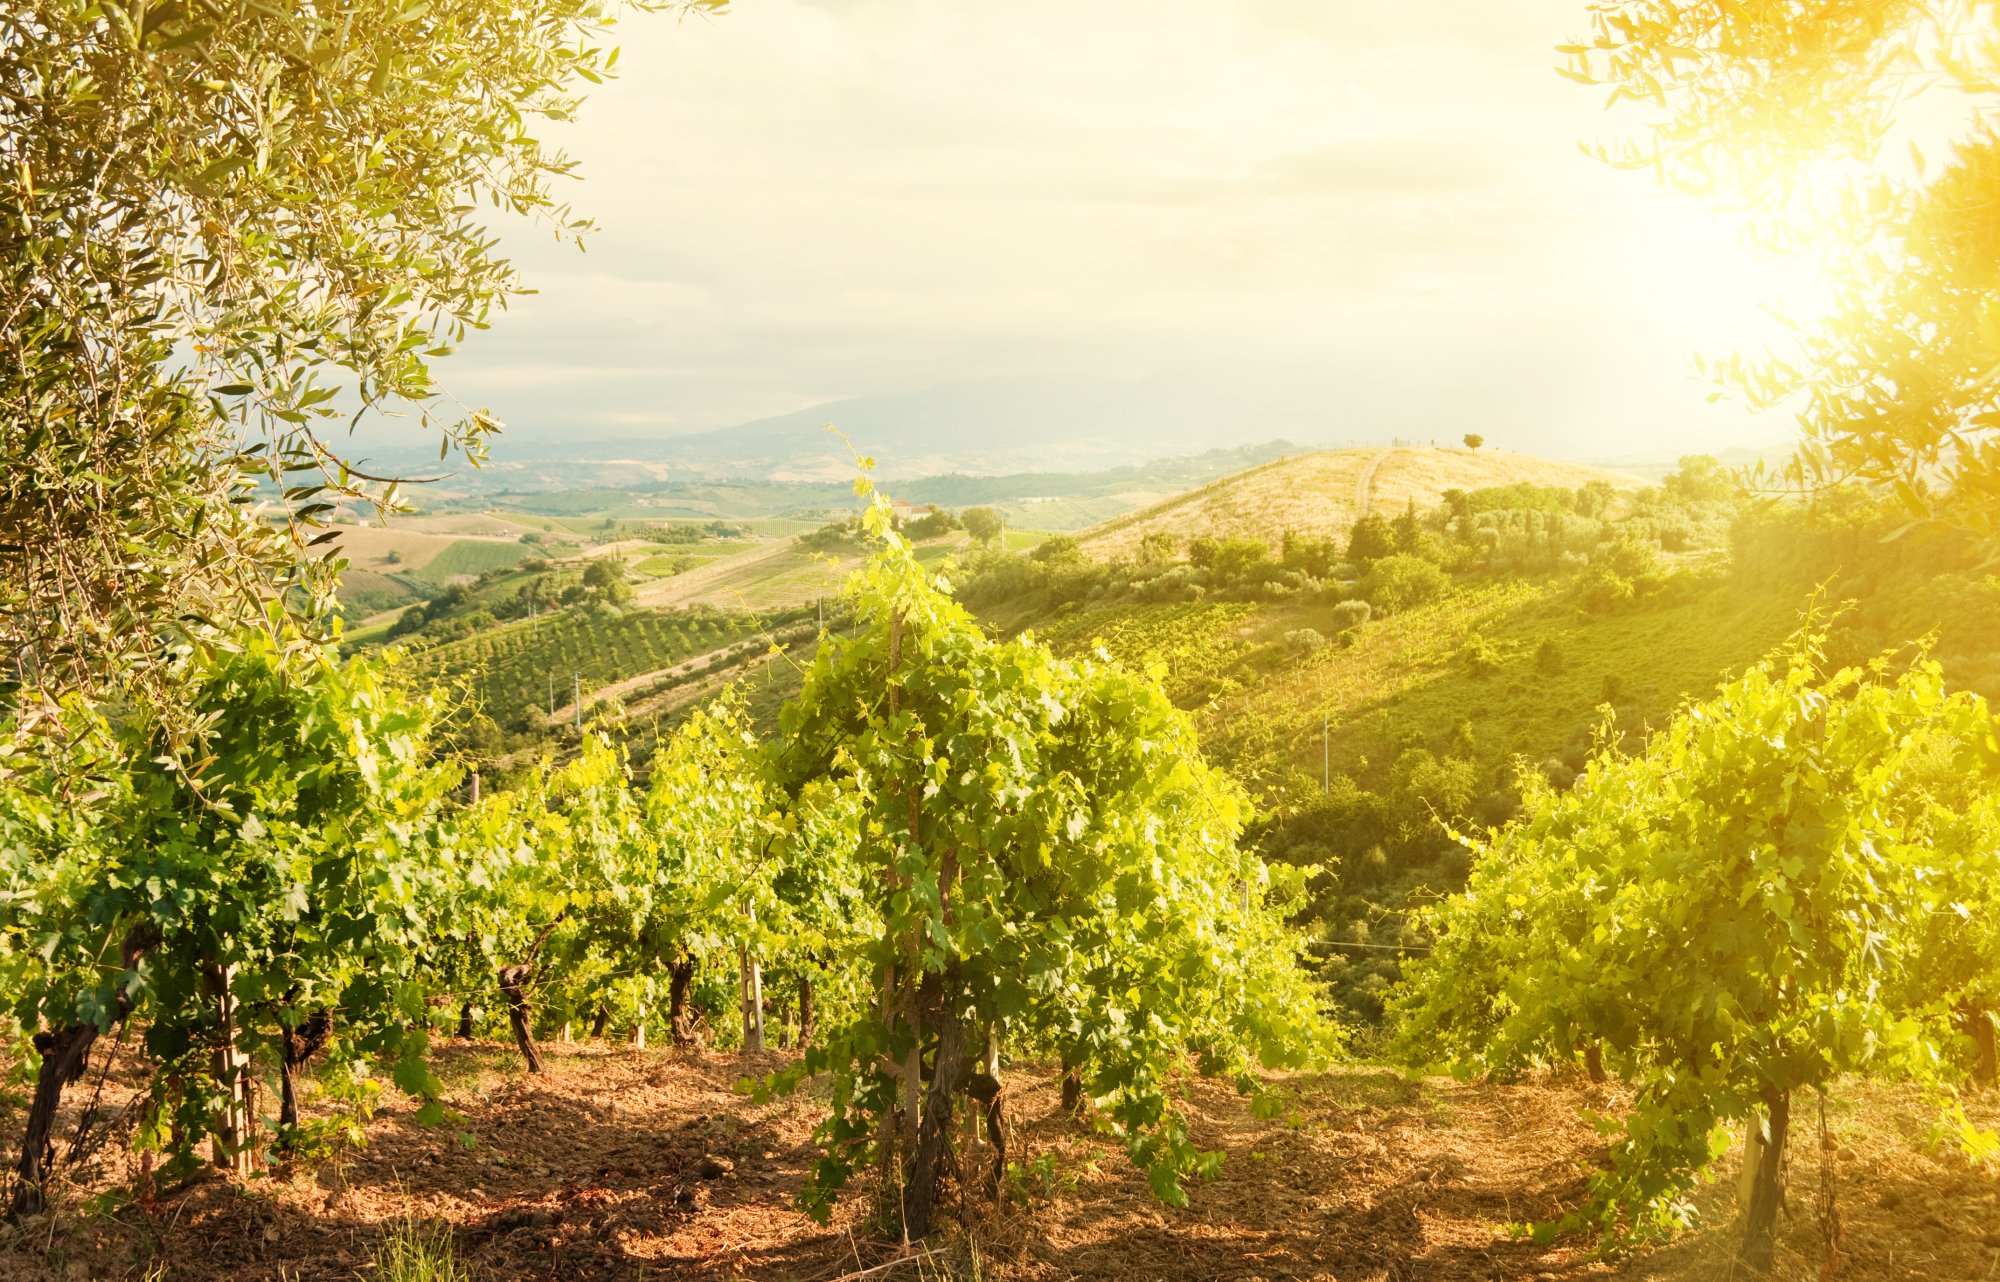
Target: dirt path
[1366, 481]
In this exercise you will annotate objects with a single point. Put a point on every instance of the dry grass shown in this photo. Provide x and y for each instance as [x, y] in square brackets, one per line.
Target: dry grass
[771, 577]
[595, 1172]
[1317, 494]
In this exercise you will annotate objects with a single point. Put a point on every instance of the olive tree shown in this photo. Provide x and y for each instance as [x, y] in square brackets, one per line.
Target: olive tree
[1784, 110]
[226, 231]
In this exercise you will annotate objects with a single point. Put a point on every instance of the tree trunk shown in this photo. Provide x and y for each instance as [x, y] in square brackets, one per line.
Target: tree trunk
[1767, 1182]
[680, 1021]
[65, 1059]
[1072, 1089]
[300, 1045]
[1593, 1063]
[934, 1134]
[1978, 1025]
[465, 1022]
[986, 1089]
[513, 985]
[597, 1025]
[808, 1019]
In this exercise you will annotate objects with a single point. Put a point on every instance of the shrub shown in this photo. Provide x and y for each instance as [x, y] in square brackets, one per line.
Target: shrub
[1236, 558]
[1305, 641]
[1605, 591]
[1549, 658]
[1480, 657]
[934, 522]
[1060, 550]
[395, 557]
[1309, 556]
[1371, 539]
[1403, 582]
[1351, 614]
[1156, 548]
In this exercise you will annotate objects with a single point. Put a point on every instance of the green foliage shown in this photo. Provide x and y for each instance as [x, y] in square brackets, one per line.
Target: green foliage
[982, 523]
[286, 875]
[934, 523]
[1474, 440]
[1402, 582]
[412, 1252]
[1348, 615]
[233, 227]
[1043, 848]
[1730, 917]
[1370, 540]
[1752, 111]
[473, 556]
[1058, 550]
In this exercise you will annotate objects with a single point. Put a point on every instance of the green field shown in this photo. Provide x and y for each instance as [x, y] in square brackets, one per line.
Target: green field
[658, 566]
[475, 557]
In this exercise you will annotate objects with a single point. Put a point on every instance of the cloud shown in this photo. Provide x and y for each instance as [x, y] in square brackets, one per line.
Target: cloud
[801, 202]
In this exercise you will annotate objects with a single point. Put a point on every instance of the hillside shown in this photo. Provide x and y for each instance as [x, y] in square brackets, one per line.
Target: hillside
[1323, 493]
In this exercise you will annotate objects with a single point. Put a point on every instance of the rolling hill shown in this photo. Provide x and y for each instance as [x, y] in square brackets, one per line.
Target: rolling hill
[1323, 493]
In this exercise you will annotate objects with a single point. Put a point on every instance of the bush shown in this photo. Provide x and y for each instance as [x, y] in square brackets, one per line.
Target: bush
[1605, 591]
[1305, 641]
[1403, 582]
[933, 523]
[1549, 658]
[1481, 659]
[1235, 558]
[1351, 614]
[1060, 550]
[1371, 539]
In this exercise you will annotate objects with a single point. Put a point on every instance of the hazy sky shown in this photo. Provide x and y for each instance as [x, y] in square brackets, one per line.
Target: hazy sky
[801, 202]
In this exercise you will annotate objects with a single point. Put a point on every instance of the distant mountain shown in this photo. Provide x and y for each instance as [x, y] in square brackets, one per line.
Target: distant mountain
[1079, 423]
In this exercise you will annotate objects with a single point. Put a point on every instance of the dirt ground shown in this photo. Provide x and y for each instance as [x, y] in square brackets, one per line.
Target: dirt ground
[625, 1164]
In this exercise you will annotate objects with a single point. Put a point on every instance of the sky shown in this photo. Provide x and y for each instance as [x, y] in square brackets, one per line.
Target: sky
[1383, 204]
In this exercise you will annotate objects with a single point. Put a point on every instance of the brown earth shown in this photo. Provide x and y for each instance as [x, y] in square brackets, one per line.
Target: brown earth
[626, 1164]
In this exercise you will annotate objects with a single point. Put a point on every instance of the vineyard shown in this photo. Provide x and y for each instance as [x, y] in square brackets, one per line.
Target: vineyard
[1407, 864]
[510, 671]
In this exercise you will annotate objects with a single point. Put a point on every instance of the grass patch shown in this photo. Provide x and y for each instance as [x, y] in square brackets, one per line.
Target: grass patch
[474, 556]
